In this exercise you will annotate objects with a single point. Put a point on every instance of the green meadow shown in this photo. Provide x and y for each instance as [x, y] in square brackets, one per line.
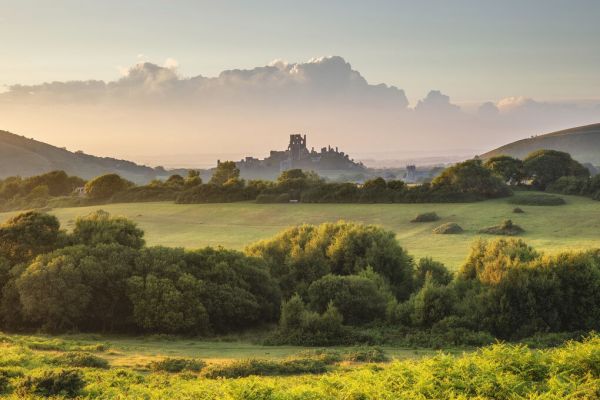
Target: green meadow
[574, 226]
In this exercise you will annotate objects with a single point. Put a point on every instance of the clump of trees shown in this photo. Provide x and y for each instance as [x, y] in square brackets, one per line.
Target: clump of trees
[328, 284]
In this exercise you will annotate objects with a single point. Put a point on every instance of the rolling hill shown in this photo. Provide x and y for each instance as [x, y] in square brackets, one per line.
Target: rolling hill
[583, 143]
[26, 157]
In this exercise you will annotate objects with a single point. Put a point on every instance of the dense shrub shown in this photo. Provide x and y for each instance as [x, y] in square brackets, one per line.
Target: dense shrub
[81, 360]
[426, 217]
[358, 299]
[365, 354]
[243, 368]
[100, 228]
[105, 186]
[518, 210]
[300, 255]
[546, 166]
[537, 200]
[449, 228]
[427, 268]
[177, 365]
[63, 382]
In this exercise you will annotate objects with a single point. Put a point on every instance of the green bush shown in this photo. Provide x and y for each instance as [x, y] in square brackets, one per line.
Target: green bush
[177, 365]
[365, 354]
[4, 381]
[537, 200]
[80, 359]
[243, 368]
[426, 217]
[63, 382]
[518, 210]
[449, 228]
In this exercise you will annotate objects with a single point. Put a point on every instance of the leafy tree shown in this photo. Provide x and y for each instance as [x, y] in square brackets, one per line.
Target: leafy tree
[78, 287]
[470, 178]
[432, 303]
[300, 255]
[545, 166]
[509, 168]
[165, 298]
[225, 171]
[192, 179]
[28, 234]
[356, 298]
[437, 272]
[105, 186]
[100, 228]
[176, 180]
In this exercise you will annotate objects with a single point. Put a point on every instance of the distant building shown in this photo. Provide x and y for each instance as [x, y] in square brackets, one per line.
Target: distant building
[298, 156]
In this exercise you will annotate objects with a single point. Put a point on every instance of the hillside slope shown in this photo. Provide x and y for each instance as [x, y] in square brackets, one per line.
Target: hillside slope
[583, 143]
[26, 157]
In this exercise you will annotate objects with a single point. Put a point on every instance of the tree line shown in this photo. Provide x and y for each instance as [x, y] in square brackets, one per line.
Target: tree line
[327, 284]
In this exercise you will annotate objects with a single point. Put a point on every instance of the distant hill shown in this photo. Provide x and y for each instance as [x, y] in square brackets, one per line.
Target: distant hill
[27, 157]
[583, 143]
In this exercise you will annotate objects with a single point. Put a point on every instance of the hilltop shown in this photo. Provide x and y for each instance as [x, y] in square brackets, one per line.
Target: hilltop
[583, 143]
[27, 157]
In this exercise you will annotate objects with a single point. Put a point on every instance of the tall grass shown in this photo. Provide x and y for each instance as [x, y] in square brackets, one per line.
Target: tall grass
[500, 371]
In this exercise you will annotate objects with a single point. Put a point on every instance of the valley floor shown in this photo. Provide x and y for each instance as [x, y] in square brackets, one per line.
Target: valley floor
[574, 226]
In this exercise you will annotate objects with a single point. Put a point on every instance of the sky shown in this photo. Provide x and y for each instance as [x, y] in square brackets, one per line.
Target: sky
[515, 54]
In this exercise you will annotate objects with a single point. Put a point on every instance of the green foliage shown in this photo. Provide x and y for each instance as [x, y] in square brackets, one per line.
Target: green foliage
[28, 234]
[546, 166]
[225, 171]
[469, 179]
[105, 186]
[432, 303]
[249, 367]
[63, 382]
[518, 210]
[100, 228]
[357, 299]
[449, 228]
[80, 360]
[300, 326]
[365, 354]
[174, 365]
[508, 168]
[435, 271]
[300, 255]
[426, 217]
[537, 200]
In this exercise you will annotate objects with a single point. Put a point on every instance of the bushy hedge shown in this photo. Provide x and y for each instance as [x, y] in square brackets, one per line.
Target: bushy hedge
[173, 365]
[537, 200]
[258, 367]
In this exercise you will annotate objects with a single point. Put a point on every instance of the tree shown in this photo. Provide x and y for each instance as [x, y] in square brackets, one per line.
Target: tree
[225, 171]
[28, 234]
[100, 228]
[509, 168]
[176, 180]
[432, 303]
[192, 179]
[435, 271]
[92, 278]
[544, 167]
[300, 255]
[470, 178]
[356, 298]
[105, 186]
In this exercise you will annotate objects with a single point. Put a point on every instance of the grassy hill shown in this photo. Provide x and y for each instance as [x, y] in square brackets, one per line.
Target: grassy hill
[26, 157]
[573, 226]
[583, 143]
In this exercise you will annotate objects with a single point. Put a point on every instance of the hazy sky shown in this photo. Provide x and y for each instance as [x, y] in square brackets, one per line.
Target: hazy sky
[164, 81]
[476, 50]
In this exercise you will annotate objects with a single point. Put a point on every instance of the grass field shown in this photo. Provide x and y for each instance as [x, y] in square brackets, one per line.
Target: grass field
[573, 226]
[137, 352]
